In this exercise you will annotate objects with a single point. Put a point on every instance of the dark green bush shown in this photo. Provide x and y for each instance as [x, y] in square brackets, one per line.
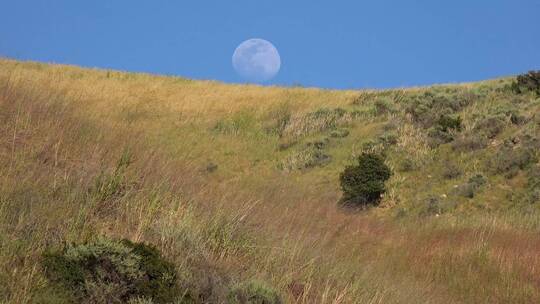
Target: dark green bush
[107, 271]
[444, 129]
[253, 292]
[517, 119]
[364, 183]
[447, 123]
[529, 82]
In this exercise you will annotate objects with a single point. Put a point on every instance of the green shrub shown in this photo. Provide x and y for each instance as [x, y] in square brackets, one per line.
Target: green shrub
[490, 127]
[253, 292]
[438, 137]
[469, 142]
[529, 82]
[517, 119]
[533, 177]
[406, 165]
[470, 188]
[443, 130]
[388, 139]
[383, 105]
[533, 185]
[435, 206]
[447, 123]
[380, 144]
[451, 171]
[427, 108]
[432, 206]
[107, 271]
[509, 160]
[364, 183]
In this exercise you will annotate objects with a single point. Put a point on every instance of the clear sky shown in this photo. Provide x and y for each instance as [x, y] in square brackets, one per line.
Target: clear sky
[331, 44]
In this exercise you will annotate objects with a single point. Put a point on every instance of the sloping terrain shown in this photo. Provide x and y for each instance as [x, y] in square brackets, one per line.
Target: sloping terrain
[234, 183]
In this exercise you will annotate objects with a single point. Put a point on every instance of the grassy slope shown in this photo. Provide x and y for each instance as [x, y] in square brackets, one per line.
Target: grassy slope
[258, 215]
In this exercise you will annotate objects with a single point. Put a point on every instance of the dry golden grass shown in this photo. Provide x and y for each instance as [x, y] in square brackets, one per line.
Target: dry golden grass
[63, 128]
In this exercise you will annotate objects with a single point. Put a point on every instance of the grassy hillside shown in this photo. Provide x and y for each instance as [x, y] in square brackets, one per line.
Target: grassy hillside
[234, 183]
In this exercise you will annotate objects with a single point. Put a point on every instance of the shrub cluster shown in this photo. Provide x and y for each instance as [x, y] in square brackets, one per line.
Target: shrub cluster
[490, 127]
[533, 185]
[451, 171]
[470, 188]
[427, 108]
[364, 183]
[529, 82]
[435, 206]
[516, 154]
[443, 130]
[380, 144]
[469, 142]
[383, 105]
[107, 271]
[478, 138]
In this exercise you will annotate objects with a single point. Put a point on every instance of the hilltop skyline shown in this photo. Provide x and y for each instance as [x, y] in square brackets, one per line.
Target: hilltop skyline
[333, 45]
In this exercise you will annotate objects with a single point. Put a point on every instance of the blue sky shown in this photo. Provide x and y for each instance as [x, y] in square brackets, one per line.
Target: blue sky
[331, 44]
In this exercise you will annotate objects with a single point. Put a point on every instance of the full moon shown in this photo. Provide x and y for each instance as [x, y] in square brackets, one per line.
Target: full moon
[256, 60]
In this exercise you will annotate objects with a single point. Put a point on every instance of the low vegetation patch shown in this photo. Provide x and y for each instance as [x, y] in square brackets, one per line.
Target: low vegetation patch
[253, 292]
[490, 127]
[311, 155]
[469, 142]
[509, 160]
[239, 123]
[470, 188]
[451, 170]
[529, 82]
[319, 121]
[430, 108]
[109, 271]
